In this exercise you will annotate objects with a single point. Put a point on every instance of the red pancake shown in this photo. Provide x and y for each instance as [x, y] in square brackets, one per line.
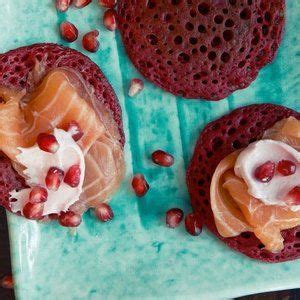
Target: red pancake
[201, 49]
[15, 67]
[220, 138]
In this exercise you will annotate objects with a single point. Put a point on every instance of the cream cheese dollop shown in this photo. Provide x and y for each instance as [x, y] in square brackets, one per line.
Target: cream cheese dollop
[275, 191]
[37, 164]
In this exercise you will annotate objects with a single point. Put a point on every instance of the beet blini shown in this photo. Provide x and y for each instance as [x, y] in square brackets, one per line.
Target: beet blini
[236, 206]
[66, 125]
[201, 49]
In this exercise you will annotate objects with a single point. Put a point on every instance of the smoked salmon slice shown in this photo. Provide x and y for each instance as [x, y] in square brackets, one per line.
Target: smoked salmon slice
[62, 97]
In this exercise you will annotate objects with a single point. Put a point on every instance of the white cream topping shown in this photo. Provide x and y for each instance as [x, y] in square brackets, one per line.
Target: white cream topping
[275, 191]
[37, 164]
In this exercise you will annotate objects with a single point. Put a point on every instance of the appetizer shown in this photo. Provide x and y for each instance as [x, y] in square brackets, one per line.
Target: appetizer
[61, 134]
[244, 179]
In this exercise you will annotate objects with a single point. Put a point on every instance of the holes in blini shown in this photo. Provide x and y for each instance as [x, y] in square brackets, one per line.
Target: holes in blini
[189, 26]
[201, 29]
[215, 81]
[194, 51]
[236, 144]
[231, 131]
[225, 11]
[183, 58]
[169, 62]
[151, 4]
[216, 41]
[225, 57]
[178, 40]
[197, 76]
[175, 2]
[171, 27]
[228, 35]
[212, 55]
[229, 23]
[193, 13]
[218, 19]
[245, 14]
[242, 50]
[213, 67]
[268, 16]
[255, 40]
[232, 2]
[203, 49]
[204, 81]
[167, 17]
[193, 40]
[249, 2]
[158, 51]
[242, 64]
[259, 20]
[152, 39]
[265, 30]
[203, 8]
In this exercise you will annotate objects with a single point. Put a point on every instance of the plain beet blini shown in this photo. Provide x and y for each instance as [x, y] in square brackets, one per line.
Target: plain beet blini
[219, 139]
[16, 69]
[201, 49]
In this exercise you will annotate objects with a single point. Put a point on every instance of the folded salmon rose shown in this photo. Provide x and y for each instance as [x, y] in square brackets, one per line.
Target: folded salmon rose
[244, 178]
[61, 134]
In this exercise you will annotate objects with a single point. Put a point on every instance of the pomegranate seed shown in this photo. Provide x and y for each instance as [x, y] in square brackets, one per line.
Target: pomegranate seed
[47, 142]
[54, 178]
[286, 167]
[173, 217]
[193, 224]
[7, 282]
[136, 86]
[33, 211]
[81, 3]
[265, 172]
[74, 128]
[110, 19]
[104, 212]
[107, 3]
[140, 185]
[72, 177]
[38, 194]
[69, 219]
[62, 5]
[90, 42]
[293, 197]
[162, 158]
[68, 31]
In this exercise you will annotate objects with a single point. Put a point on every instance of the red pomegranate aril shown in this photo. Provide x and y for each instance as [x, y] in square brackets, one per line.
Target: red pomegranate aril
[81, 3]
[33, 211]
[47, 142]
[62, 5]
[69, 219]
[136, 86]
[110, 19]
[265, 172]
[38, 194]
[68, 31]
[104, 212]
[107, 3]
[286, 167]
[54, 178]
[193, 224]
[72, 177]
[140, 185]
[7, 282]
[90, 41]
[174, 217]
[293, 197]
[162, 158]
[74, 128]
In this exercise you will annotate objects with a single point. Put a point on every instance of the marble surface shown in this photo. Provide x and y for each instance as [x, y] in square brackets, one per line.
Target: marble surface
[135, 255]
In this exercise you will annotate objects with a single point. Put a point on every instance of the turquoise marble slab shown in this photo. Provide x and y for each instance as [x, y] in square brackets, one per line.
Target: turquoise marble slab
[135, 255]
